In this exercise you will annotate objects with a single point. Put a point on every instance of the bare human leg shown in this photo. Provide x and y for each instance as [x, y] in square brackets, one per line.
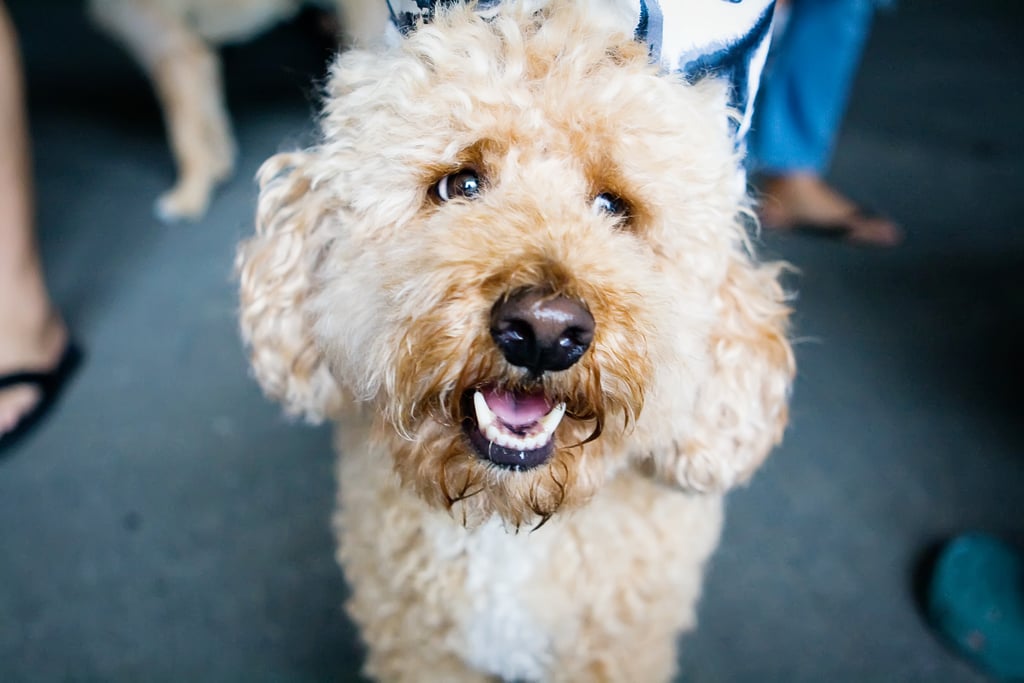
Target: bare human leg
[32, 333]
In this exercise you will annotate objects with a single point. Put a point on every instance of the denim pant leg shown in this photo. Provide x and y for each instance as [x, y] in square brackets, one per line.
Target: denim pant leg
[807, 85]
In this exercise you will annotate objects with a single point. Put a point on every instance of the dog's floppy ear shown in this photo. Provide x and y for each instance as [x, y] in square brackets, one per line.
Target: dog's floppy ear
[741, 406]
[275, 269]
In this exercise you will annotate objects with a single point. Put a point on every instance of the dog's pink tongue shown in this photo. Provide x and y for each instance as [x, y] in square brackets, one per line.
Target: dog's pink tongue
[517, 409]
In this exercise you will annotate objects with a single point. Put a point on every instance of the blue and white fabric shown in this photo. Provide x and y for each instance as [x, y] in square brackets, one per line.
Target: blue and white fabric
[810, 71]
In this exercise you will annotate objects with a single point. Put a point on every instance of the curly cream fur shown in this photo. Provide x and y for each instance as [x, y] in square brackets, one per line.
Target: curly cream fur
[366, 302]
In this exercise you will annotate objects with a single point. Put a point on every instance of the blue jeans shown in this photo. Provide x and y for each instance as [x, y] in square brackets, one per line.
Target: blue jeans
[807, 85]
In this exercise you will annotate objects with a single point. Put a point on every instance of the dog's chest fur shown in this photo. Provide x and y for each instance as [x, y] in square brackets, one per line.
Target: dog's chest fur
[502, 634]
[515, 605]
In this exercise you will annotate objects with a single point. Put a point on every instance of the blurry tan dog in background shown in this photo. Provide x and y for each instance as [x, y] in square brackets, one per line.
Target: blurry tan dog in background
[175, 42]
[515, 273]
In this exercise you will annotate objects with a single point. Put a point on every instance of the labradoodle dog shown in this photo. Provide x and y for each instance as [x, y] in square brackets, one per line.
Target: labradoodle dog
[515, 274]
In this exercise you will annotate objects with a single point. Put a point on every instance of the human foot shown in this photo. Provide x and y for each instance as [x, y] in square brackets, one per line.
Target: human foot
[803, 201]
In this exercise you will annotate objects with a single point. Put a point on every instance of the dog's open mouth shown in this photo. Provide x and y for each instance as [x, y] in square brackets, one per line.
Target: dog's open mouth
[512, 429]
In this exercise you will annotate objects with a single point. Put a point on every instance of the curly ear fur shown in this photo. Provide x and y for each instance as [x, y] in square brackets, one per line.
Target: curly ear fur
[740, 407]
[275, 268]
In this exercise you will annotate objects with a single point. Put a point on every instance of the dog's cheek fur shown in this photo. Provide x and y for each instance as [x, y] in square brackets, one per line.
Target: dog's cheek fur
[739, 406]
[742, 408]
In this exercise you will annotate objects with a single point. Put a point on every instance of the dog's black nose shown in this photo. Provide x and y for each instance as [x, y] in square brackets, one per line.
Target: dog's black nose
[541, 332]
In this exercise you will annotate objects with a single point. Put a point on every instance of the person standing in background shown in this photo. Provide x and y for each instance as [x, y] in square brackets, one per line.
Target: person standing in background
[806, 87]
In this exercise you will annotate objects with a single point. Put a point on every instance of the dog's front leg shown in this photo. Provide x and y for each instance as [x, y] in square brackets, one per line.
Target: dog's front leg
[186, 74]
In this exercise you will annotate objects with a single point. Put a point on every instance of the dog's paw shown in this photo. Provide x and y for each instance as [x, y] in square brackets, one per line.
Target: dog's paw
[183, 203]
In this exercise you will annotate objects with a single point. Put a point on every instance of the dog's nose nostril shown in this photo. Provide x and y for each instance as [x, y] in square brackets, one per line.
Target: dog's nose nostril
[540, 332]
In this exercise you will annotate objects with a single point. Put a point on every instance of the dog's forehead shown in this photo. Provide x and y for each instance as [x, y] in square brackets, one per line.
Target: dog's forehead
[520, 103]
[534, 82]
[725, 40]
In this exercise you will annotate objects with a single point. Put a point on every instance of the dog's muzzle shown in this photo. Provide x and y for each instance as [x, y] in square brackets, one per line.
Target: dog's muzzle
[540, 332]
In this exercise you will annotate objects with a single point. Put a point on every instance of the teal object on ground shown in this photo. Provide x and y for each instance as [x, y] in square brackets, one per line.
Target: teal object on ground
[976, 600]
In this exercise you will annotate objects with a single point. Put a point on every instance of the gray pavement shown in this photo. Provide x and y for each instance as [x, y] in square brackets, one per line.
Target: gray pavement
[167, 524]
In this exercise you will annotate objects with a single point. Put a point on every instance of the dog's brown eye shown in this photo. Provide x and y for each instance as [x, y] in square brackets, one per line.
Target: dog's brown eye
[613, 205]
[464, 183]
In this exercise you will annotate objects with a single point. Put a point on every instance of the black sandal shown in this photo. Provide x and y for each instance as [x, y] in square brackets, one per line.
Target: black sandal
[50, 385]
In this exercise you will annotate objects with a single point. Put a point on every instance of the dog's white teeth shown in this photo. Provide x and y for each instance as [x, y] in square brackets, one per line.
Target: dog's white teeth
[495, 432]
[549, 423]
[500, 437]
[485, 417]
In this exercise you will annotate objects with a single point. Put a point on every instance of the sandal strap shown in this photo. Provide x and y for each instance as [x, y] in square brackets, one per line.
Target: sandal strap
[19, 378]
[45, 380]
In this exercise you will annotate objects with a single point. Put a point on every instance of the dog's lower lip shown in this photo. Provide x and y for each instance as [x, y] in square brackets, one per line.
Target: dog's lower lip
[506, 457]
